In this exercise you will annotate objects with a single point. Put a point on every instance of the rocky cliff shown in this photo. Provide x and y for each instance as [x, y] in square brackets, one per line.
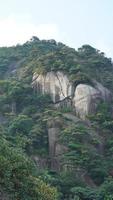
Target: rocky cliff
[83, 98]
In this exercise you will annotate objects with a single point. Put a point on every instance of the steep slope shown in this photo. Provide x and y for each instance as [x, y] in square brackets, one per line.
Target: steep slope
[56, 122]
[83, 98]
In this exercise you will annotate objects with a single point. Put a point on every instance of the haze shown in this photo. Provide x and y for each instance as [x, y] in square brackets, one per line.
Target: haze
[73, 22]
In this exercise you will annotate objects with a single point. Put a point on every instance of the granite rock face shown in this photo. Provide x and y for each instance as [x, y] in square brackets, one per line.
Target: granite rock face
[87, 98]
[55, 148]
[83, 98]
[56, 84]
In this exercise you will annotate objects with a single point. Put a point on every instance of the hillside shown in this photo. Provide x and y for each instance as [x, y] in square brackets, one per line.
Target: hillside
[56, 122]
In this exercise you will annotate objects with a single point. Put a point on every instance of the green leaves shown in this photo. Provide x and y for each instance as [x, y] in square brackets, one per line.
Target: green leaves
[26, 115]
[22, 124]
[17, 175]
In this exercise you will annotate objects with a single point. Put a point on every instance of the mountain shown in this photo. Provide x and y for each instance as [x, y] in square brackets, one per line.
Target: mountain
[56, 122]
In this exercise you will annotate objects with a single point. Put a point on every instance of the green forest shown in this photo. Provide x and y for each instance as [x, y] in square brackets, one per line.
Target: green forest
[86, 166]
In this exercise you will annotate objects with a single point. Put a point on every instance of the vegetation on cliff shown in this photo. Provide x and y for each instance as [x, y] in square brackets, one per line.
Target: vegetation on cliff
[87, 165]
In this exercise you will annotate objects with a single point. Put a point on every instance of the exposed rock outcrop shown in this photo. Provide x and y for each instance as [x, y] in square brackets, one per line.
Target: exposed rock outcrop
[55, 148]
[56, 84]
[83, 98]
[86, 98]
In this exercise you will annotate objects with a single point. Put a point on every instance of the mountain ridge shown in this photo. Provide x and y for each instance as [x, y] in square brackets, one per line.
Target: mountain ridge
[64, 151]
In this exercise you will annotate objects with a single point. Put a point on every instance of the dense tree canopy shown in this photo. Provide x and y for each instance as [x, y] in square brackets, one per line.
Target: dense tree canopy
[87, 165]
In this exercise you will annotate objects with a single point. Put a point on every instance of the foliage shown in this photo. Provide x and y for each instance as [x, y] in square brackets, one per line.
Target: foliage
[25, 115]
[17, 175]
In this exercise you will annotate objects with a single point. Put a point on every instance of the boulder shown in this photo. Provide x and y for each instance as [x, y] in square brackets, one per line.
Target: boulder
[86, 98]
[83, 98]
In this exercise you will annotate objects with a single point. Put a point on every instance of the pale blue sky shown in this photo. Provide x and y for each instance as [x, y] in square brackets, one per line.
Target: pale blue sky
[74, 22]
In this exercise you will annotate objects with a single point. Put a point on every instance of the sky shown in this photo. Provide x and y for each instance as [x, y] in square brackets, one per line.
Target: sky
[73, 22]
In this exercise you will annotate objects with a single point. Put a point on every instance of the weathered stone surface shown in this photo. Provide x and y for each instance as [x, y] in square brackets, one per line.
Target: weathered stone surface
[55, 148]
[86, 98]
[83, 98]
[52, 137]
[105, 94]
[56, 84]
